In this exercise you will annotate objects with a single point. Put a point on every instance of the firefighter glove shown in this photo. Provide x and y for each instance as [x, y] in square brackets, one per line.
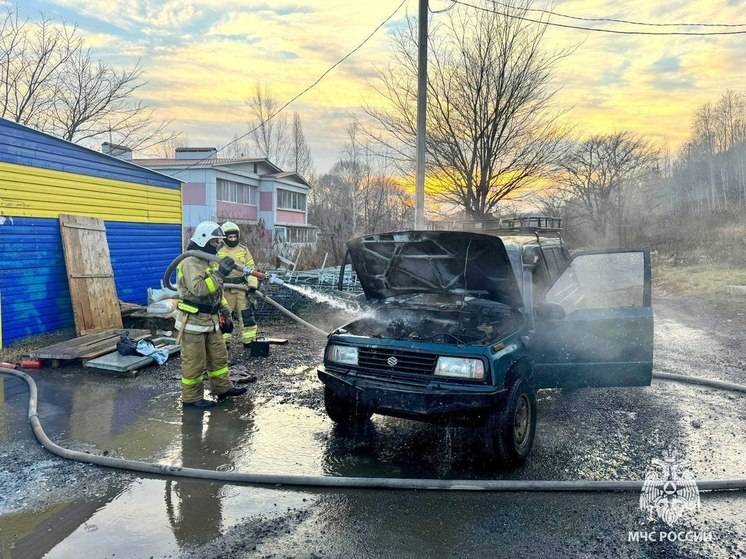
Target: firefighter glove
[226, 266]
[226, 322]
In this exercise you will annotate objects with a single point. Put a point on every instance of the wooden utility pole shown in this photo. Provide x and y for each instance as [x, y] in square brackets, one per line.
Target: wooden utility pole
[419, 200]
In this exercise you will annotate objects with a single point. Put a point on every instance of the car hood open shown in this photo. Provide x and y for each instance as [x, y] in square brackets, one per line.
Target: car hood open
[448, 262]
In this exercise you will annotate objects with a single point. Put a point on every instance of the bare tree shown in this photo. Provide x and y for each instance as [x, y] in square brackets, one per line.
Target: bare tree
[490, 133]
[329, 205]
[359, 195]
[300, 153]
[352, 169]
[31, 56]
[94, 100]
[552, 201]
[167, 149]
[49, 81]
[710, 174]
[601, 175]
[271, 137]
[237, 148]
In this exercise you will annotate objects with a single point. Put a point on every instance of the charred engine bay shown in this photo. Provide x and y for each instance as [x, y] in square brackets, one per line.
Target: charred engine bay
[437, 319]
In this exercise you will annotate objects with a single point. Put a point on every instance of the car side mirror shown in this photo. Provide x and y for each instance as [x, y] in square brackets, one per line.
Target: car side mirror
[551, 311]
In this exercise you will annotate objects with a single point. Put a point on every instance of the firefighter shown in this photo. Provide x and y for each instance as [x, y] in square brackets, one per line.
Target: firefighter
[240, 302]
[202, 311]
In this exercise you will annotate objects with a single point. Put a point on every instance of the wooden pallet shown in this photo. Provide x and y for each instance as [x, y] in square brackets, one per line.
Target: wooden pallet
[87, 347]
[127, 309]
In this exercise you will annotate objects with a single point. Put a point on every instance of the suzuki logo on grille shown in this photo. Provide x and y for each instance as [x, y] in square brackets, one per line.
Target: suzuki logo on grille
[392, 361]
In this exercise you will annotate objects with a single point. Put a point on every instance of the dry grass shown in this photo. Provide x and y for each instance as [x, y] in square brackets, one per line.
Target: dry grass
[17, 350]
[705, 280]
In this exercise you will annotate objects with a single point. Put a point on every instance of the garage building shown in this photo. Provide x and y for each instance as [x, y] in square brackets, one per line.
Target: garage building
[42, 177]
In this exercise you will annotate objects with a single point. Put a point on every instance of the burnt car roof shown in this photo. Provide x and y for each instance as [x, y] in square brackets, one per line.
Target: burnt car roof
[398, 263]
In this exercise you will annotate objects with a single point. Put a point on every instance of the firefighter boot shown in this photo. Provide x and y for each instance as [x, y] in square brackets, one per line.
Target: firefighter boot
[200, 404]
[233, 392]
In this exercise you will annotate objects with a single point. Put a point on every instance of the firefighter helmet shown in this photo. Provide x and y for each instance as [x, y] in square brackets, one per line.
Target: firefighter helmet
[205, 232]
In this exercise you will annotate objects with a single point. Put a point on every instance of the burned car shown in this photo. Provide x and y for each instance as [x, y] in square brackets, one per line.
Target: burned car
[465, 327]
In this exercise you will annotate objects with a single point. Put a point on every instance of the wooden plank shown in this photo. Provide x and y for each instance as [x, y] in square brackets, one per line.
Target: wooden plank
[105, 347]
[87, 347]
[70, 346]
[127, 309]
[89, 273]
[85, 227]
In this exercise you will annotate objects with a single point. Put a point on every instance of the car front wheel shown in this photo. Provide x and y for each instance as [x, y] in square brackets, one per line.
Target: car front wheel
[344, 412]
[510, 430]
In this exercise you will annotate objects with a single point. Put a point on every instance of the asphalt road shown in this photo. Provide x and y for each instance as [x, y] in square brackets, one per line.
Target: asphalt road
[53, 508]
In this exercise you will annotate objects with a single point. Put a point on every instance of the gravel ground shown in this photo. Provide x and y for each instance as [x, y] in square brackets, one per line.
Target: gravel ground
[584, 434]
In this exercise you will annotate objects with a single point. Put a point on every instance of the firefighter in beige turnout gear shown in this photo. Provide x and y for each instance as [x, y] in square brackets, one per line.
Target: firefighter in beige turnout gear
[240, 303]
[201, 313]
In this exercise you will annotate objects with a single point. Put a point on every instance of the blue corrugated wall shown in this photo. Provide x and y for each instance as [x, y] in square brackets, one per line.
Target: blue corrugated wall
[140, 253]
[33, 280]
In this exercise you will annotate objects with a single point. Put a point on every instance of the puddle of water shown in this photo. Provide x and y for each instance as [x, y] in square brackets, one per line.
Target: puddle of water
[154, 517]
[305, 377]
[285, 440]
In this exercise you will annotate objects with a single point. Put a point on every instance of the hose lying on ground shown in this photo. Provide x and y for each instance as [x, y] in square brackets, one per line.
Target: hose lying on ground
[358, 482]
[213, 258]
[286, 312]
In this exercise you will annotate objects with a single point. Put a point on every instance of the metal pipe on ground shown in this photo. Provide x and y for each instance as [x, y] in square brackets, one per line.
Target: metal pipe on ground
[362, 482]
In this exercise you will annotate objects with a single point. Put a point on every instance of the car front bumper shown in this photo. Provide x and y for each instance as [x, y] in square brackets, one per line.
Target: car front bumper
[434, 401]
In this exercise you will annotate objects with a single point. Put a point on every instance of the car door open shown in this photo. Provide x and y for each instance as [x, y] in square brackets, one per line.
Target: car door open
[594, 326]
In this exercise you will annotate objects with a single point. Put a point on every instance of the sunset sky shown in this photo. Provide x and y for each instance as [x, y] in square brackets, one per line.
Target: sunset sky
[203, 57]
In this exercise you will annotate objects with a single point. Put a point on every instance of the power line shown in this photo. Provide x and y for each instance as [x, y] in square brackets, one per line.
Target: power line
[441, 10]
[304, 91]
[582, 28]
[625, 21]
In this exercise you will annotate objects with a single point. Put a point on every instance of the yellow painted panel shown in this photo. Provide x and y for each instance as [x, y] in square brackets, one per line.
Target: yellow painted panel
[34, 192]
[68, 188]
[31, 194]
[66, 201]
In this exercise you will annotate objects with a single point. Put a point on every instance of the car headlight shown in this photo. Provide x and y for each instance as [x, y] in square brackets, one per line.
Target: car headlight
[460, 368]
[341, 354]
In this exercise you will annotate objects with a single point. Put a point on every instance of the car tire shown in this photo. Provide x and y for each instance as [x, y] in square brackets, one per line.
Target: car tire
[344, 412]
[510, 430]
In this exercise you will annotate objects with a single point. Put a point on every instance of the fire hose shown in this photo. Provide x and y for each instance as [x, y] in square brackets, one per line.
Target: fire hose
[248, 271]
[364, 482]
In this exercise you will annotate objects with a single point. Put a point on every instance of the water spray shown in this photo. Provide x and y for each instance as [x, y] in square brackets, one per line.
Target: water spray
[326, 299]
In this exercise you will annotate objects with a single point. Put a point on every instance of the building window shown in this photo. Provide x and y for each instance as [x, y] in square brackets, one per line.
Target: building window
[236, 192]
[288, 200]
[284, 234]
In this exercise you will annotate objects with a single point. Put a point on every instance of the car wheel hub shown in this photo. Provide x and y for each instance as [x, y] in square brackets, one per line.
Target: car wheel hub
[522, 421]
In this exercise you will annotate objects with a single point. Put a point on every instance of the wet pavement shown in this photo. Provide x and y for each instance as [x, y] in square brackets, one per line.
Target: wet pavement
[54, 508]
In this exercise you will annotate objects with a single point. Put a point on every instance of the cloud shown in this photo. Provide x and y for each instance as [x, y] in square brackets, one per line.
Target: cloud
[666, 64]
[149, 17]
[202, 59]
[673, 84]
